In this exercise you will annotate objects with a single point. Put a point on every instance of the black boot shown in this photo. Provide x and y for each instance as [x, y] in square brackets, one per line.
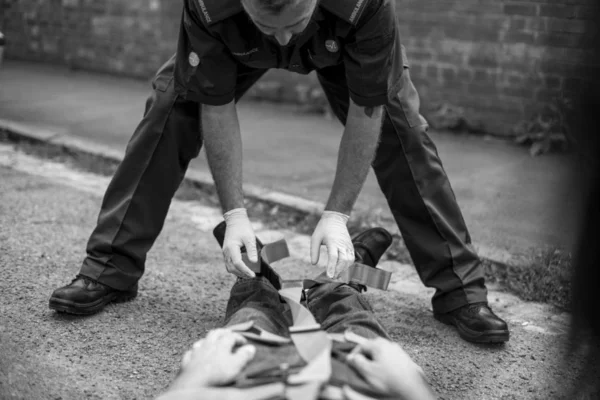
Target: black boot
[369, 246]
[476, 323]
[85, 296]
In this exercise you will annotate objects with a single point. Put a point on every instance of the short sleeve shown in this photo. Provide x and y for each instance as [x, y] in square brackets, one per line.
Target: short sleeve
[205, 71]
[373, 57]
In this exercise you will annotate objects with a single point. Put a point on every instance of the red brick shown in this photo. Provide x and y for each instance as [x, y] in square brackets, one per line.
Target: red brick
[432, 71]
[553, 81]
[559, 11]
[562, 39]
[547, 95]
[520, 37]
[520, 9]
[482, 60]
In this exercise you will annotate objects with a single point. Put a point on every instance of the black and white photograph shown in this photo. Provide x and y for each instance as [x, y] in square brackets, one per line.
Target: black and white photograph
[299, 199]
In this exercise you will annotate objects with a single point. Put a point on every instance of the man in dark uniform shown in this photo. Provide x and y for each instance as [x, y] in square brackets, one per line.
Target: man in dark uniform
[224, 47]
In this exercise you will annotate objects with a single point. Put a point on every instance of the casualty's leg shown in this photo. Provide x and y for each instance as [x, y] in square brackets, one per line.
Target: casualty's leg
[255, 299]
[339, 307]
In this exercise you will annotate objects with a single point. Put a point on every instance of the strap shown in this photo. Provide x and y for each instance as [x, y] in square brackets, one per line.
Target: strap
[368, 276]
[363, 274]
[269, 254]
[249, 331]
[313, 344]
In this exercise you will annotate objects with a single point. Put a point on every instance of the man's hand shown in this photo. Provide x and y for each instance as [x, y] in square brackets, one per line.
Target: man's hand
[389, 370]
[333, 233]
[213, 361]
[239, 233]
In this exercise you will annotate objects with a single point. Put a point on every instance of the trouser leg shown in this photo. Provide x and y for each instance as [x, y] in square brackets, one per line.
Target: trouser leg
[339, 307]
[413, 180]
[257, 300]
[138, 197]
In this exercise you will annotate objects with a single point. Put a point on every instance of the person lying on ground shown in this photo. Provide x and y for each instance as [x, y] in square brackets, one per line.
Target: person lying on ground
[253, 350]
[214, 362]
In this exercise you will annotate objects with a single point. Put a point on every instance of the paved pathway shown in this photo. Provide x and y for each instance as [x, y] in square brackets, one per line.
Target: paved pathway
[511, 201]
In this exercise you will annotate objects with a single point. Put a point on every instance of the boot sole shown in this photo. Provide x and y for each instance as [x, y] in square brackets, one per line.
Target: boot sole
[495, 336]
[71, 307]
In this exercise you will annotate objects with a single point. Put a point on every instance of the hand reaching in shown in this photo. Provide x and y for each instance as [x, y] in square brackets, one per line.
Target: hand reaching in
[333, 233]
[239, 233]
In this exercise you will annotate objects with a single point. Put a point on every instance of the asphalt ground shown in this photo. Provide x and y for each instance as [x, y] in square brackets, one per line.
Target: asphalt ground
[132, 350]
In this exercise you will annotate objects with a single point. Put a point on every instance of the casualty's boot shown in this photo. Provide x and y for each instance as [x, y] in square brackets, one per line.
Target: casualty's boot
[369, 246]
[265, 268]
[84, 296]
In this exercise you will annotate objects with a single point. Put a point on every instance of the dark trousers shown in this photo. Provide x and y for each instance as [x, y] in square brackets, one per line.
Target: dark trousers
[407, 167]
[336, 307]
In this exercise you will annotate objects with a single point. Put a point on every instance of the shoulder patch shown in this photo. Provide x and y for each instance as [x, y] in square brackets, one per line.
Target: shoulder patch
[213, 11]
[348, 10]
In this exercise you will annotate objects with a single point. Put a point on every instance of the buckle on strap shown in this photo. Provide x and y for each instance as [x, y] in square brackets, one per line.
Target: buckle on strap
[368, 276]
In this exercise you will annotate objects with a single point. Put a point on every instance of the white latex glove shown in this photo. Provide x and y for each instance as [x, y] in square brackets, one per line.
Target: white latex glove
[239, 233]
[333, 233]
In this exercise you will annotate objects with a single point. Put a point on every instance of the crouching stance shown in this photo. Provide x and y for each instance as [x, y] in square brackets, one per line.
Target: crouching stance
[320, 340]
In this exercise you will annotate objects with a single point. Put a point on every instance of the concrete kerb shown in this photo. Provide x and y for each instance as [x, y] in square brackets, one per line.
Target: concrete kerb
[496, 258]
[19, 131]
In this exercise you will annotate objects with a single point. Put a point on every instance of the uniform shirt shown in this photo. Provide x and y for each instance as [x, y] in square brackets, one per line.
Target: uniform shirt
[218, 42]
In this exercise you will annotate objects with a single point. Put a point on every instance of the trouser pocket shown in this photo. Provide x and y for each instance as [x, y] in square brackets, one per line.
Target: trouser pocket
[409, 101]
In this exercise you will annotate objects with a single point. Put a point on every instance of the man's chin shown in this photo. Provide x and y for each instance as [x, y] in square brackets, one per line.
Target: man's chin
[289, 44]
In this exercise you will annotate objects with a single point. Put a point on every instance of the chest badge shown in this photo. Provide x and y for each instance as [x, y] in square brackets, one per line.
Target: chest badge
[193, 59]
[332, 46]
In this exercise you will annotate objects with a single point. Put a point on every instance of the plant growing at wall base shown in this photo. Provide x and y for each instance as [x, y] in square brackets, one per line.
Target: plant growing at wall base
[548, 130]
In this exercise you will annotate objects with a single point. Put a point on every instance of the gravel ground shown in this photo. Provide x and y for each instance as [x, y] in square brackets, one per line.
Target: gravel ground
[132, 350]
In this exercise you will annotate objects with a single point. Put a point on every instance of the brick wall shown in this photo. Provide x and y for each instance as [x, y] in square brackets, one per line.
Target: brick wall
[495, 60]
[129, 37]
[498, 59]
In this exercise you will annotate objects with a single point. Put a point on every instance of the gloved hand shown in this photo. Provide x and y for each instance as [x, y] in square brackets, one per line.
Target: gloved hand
[239, 233]
[333, 233]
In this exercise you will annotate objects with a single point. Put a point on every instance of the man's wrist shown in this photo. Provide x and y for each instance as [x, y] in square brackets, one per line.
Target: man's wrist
[234, 213]
[336, 214]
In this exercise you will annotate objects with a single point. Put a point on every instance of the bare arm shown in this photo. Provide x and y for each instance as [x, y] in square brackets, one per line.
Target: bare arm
[357, 150]
[223, 141]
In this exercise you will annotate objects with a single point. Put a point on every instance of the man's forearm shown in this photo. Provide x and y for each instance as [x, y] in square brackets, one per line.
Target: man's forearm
[357, 150]
[223, 144]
